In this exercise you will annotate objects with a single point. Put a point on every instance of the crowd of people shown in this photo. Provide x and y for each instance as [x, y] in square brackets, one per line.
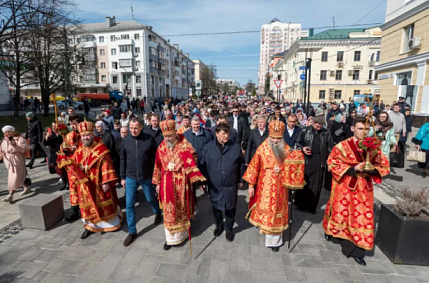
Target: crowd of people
[221, 145]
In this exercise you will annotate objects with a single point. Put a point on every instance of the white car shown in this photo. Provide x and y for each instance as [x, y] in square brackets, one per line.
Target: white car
[62, 105]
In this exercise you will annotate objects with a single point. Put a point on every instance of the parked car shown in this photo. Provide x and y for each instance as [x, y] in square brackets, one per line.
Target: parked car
[62, 105]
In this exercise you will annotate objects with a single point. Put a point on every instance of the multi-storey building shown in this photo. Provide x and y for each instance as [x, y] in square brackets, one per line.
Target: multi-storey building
[275, 38]
[5, 95]
[403, 69]
[343, 62]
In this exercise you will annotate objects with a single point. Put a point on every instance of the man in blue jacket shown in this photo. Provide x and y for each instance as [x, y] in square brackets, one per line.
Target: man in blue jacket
[222, 163]
[137, 162]
[197, 136]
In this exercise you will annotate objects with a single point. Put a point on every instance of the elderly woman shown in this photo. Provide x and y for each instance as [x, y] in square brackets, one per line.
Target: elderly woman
[254, 124]
[124, 120]
[12, 150]
[302, 120]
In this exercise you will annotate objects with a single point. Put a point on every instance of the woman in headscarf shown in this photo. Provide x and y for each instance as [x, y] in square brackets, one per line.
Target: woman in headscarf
[302, 120]
[338, 128]
[12, 149]
[385, 132]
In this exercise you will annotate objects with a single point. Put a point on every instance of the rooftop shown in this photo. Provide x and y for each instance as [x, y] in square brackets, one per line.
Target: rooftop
[119, 25]
[275, 20]
[334, 34]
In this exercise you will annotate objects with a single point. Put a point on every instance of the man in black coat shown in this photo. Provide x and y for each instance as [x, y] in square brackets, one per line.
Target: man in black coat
[116, 111]
[154, 130]
[123, 131]
[277, 115]
[256, 137]
[211, 122]
[240, 124]
[197, 136]
[222, 163]
[35, 134]
[292, 130]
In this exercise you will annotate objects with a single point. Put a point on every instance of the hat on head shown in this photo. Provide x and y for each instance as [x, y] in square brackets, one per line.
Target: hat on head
[8, 129]
[276, 129]
[401, 97]
[29, 115]
[63, 113]
[108, 111]
[86, 128]
[168, 127]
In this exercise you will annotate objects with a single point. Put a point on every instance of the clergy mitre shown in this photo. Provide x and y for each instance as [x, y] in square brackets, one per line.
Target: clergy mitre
[168, 127]
[85, 128]
[276, 129]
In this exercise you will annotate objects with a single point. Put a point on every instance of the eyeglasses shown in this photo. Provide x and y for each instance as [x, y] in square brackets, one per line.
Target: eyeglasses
[234, 111]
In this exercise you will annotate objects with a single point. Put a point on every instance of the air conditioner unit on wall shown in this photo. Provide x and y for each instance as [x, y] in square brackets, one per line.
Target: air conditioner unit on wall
[331, 90]
[350, 72]
[415, 42]
[332, 73]
[340, 64]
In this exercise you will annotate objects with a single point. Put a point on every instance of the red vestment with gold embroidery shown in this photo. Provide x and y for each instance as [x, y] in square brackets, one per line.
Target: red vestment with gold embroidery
[349, 213]
[175, 172]
[71, 139]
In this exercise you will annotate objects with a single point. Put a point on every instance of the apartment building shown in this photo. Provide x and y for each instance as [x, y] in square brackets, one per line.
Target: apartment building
[343, 64]
[275, 38]
[132, 58]
[5, 95]
[403, 69]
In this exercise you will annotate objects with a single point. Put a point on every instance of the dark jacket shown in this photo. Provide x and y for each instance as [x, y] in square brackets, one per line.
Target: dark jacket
[408, 123]
[116, 134]
[243, 127]
[290, 141]
[338, 132]
[255, 140]
[282, 118]
[223, 172]
[349, 123]
[116, 112]
[138, 156]
[108, 140]
[198, 141]
[157, 135]
[34, 131]
[233, 135]
[306, 136]
[54, 143]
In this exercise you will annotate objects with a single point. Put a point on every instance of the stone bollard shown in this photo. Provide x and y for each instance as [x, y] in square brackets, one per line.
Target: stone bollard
[41, 211]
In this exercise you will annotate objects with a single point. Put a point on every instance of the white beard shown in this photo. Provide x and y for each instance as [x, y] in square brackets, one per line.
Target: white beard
[170, 145]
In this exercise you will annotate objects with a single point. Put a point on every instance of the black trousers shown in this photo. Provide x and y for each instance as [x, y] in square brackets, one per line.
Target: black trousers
[229, 217]
[401, 145]
[36, 147]
[351, 250]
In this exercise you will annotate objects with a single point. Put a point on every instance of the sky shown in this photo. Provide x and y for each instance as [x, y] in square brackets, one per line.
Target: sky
[236, 56]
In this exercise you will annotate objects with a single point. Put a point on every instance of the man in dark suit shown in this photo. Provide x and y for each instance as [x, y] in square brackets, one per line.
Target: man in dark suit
[211, 122]
[256, 137]
[240, 124]
[292, 130]
[154, 130]
[233, 135]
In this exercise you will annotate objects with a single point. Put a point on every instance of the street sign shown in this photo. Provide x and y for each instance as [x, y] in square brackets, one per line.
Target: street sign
[278, 83]
[302, 68]
[198, 85]
[302, 76]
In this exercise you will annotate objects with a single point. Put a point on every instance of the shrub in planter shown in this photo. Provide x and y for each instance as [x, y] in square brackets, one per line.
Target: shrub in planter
[403, 229]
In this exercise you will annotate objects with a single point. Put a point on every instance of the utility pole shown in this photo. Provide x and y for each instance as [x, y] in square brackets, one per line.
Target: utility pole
[308, 67]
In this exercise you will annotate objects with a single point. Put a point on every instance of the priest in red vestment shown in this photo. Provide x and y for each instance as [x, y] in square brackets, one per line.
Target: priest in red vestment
[174, 173]
[91, 170]
[272, 171]
[349, 214]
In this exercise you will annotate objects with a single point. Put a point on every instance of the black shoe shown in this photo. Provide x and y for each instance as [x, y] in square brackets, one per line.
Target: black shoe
[74, 216]
[43, 161]
[360, 261]
[328, 237]
[313, 211]
[29, 165]
[167, 247]
[63, 187]
[424, 174]
[218, 231]
[158, 219]
[130, 239]
[229, 236]
[86, 234]
[276, 249]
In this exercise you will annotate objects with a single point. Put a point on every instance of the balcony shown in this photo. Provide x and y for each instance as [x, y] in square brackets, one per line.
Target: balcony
[125, 55]
[90, 57]
[161, 73]
[153, 57]
[153, 44]
[161, 61]
[184, 63]
[153, 70]
[177, 68]
[87, 44]
[160, 48]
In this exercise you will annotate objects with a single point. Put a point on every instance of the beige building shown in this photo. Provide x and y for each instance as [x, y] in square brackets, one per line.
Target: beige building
[405, 53]
[343, 62]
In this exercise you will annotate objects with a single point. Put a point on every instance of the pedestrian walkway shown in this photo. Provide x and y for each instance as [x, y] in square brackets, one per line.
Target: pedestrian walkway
[59, 255]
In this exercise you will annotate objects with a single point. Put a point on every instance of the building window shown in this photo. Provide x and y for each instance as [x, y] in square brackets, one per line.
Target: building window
[137, 50]
[324, 56]
[125, 62]
[103, 78]
[408, 34]
[370, 75]
[378, 56]
[112, 38]
[355, 74]
[376, 75]
[101, 39]
[322, 94]
[339, 75]
[139, 92]
[357, 56]
[138, 79]
[115, 79]
[125, 36]
[102, 65]
[136, 36]
[113, 51]
[125, 78]
[337, 94]
[102, 52]
[137, 63]
[124, 48]
[323, 75]
[152, 38]
[340, 56]
[115, 65]
[356, 92]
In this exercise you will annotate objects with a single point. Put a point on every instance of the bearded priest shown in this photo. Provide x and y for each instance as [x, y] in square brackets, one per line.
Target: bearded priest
[273, 170]
[91, 170]
[349, 214]
[174, 173]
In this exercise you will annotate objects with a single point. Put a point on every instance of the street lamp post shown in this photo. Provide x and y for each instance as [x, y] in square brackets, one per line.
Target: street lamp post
[308, 66]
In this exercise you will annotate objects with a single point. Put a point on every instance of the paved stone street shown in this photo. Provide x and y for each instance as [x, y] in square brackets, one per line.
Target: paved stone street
[59, 255]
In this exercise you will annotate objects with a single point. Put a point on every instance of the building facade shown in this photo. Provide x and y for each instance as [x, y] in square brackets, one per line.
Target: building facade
[5, 94]
[343, 64]
[405, 53]
[275, 38]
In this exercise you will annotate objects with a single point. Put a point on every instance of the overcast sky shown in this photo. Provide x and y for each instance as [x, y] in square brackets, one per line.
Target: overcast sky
[236, 56]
